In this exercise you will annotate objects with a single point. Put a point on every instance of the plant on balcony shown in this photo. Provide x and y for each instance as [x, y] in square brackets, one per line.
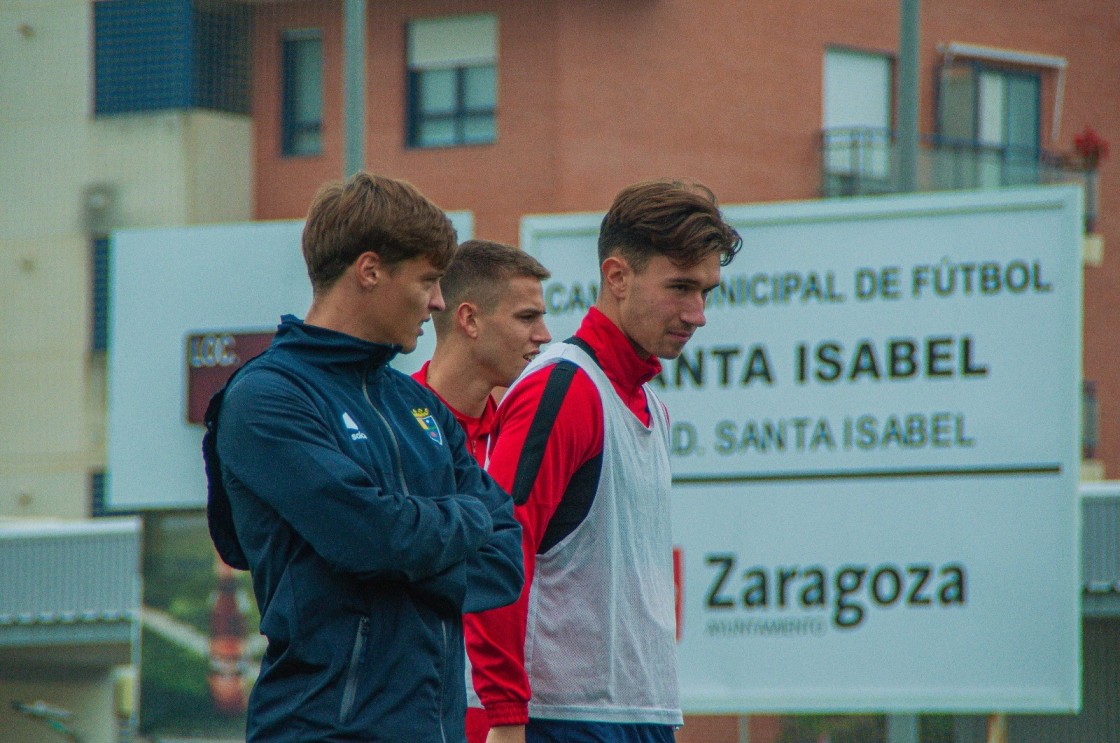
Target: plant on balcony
[1090, 148]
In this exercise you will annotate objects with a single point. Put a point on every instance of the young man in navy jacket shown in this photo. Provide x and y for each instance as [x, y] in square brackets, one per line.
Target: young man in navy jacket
[349, 492]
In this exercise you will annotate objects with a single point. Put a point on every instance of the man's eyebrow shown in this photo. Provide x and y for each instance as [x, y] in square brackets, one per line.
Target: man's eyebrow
[685, 280]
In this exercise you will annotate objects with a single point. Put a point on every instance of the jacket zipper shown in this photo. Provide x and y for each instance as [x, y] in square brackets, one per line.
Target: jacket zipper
[389, 430]
[357, 657]
[404, 488]
[442, 684]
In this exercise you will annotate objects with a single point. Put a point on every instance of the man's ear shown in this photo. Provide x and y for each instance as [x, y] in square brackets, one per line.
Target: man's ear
[466, 315]
[368, 270]
[616, 275]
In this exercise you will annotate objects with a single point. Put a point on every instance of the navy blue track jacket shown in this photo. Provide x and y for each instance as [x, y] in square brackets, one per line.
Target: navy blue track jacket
[369, 530]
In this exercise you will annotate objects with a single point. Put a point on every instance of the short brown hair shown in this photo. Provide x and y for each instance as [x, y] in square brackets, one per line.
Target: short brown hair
[372, 213]
[674, 218]
[479, 270]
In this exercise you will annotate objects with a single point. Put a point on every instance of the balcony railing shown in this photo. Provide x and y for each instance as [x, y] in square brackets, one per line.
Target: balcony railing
[860, 161]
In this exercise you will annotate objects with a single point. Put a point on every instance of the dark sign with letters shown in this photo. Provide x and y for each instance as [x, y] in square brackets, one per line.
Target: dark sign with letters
[212, 358]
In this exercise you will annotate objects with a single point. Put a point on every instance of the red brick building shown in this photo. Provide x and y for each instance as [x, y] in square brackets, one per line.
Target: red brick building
[512, 108]
[188, 112]
[589, 96]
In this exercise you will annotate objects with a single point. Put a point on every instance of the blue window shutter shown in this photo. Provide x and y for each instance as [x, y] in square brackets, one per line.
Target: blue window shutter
[99, 325]
[142, 55]
[151, 55]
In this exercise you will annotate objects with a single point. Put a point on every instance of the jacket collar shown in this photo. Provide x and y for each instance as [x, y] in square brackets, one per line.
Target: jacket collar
[325, 347]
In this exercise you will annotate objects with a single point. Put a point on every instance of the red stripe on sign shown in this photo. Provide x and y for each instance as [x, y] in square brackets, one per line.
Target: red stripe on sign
[678, 588]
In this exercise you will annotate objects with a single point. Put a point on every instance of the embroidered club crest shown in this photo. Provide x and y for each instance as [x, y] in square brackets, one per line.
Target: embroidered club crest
[424, 417]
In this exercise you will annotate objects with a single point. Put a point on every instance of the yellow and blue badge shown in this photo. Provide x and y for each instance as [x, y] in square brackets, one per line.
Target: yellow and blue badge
[424, 417]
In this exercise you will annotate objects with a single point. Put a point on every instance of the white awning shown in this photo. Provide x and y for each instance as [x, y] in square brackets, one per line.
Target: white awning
[956, 49]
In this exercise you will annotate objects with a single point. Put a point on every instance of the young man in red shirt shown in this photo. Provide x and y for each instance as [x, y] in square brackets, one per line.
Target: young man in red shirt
[581, 443]
[492, 327]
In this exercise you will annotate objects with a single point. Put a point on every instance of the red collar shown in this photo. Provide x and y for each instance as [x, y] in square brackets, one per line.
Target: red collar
[623, 366]
[487, 412]
[477, 429]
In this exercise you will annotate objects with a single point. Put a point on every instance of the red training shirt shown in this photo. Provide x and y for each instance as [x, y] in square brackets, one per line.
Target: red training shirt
[537, 459]
[477, 429]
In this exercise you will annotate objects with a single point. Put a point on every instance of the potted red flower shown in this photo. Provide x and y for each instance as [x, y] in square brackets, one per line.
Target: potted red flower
[1090, 147]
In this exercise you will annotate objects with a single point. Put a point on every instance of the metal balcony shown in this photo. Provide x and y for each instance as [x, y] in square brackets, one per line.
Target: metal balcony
[860, 161]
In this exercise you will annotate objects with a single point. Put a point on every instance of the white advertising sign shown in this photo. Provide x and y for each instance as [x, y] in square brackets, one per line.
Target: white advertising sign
[876, 448]
[167, 285]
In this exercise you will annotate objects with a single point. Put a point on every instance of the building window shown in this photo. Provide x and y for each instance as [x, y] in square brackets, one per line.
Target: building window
[857, 106]
[152, 55]
[302, 74]
[452, 81]
[993, 113]
[99, 273]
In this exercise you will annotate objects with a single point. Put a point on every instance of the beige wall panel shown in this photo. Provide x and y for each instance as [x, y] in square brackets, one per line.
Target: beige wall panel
[45, 165]
[44, 300]
[46, 57]
[90, 700]
[144, 156]
[96, 410]
[219, 167]
[59, 490]
[43, 399]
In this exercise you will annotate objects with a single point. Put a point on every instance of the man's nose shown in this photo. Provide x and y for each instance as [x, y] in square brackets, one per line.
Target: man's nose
[541, 334]
[694, 312]
[435, 301]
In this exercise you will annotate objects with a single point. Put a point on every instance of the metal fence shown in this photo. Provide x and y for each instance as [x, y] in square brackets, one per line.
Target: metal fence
[861, 161]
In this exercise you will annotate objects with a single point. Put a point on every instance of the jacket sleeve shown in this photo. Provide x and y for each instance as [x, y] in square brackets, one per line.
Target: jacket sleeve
[496, 572]
[496, 639]
[493, 575]
[275, 447]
